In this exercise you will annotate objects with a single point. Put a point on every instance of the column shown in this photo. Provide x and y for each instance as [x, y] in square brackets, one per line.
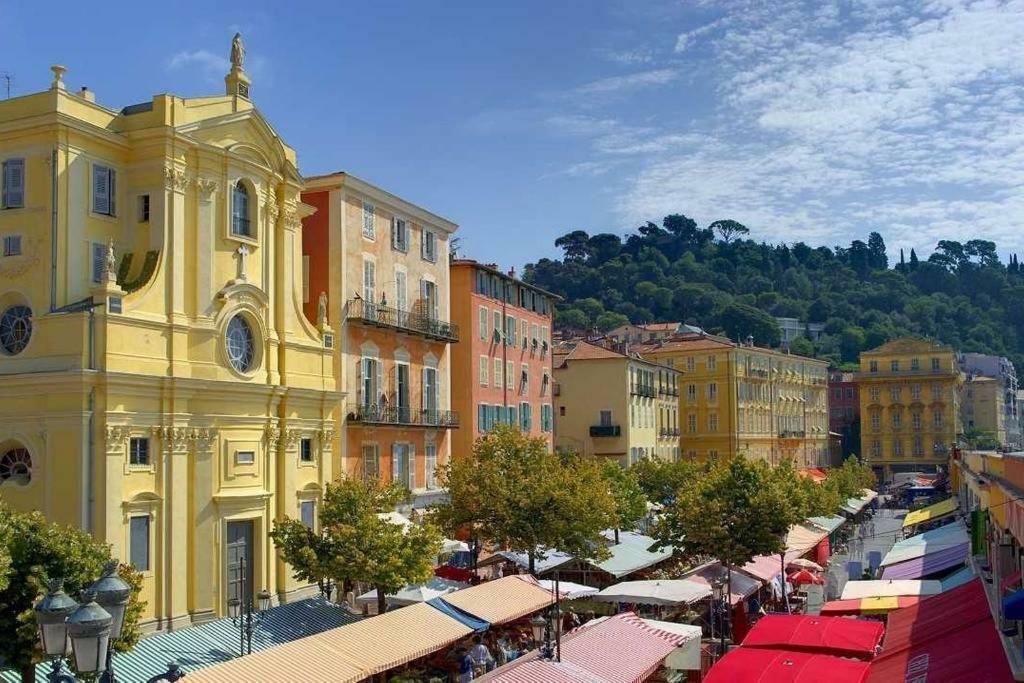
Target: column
[203, 550]
[176, 183]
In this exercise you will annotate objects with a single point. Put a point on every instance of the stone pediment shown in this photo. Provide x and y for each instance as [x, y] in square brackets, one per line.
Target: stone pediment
[247, 135]
[243, 293]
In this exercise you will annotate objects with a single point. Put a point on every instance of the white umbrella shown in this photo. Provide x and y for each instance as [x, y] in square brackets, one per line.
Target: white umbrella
[569, 590]
[451, 546]
[419, 592]
[671, 592]
[804, 563]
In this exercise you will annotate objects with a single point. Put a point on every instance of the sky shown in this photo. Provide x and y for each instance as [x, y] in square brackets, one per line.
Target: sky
[817, 121]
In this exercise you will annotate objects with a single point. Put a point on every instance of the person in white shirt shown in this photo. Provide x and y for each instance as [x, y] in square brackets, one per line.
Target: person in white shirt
[481, 656]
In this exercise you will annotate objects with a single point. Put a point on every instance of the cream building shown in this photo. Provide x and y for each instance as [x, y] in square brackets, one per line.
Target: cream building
[164, 390]
[983, 410]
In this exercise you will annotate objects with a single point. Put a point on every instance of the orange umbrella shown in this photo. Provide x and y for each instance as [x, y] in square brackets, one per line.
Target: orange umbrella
[805, 576]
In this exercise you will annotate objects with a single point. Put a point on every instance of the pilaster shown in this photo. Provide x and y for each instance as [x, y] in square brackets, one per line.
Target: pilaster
[203, 528]
[174, 483]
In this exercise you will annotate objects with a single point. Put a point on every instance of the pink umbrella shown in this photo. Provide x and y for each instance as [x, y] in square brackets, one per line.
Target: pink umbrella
[804, 576]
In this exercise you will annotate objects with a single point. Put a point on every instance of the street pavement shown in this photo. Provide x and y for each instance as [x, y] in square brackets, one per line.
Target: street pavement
[879, 533]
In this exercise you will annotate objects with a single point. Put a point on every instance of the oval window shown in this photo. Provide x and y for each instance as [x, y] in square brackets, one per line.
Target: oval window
[15, 329]
[241, 344]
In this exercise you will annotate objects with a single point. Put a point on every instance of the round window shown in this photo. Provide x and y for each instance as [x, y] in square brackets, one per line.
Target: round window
[241, 344]
[15, 329]
[16, 466]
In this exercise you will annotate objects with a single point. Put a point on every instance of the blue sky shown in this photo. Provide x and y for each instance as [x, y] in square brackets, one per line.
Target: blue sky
[815, 121]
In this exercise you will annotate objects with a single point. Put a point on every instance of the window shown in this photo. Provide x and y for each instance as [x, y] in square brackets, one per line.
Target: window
[241, 344]
[99, 262]
[307, 513]
[918, 446]
[13, 195]
[368, 225]
[849, 393]
[240, 223]
[876, 421]
[16, 466]
[524, 330]
[897, 448]
[485, 365]
[138, 542]
[915, 421]
[915, 364]
[935, 365]
[897, 419]
[370, 381]
[369, 281]
[428, 246]
[691, 392]
[690, 363]
[499, 374]
[713, 454]
[874, 366]
[713, 423]
[546, 418]
[306, 449]
[606, 418]
[12, 245]
[138, 451]
[497, 326]
[534, 335]
[895, 393]
[431, 395]
[399, 234]
[691, 423]
[510, 372]
[915, 392]
[143, 208]
[936, 392]
[875, 393]
[485, 323]
[510, 331]
[15, 329]
[525, 417]
[712, 391]
[245, 457]
[401, 296]
[876, 448]
[937, 418]
[104, 190]
[431, 465]
[545, 380]
[524, 378]
[561, 411]
[371, 461]
[712, 363]
[431, 302]
[894, 365]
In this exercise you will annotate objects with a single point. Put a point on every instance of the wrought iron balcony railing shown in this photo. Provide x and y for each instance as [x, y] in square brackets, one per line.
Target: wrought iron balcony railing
[383, 414]
[379, 315]
[605, 430]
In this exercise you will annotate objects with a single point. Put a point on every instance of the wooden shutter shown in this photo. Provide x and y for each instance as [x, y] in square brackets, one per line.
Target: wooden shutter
[395, 473]
[14, 183]
[411, 464]
[99, 261]
[100, 190]
[360, 399]
[112, 191]
[380, 380]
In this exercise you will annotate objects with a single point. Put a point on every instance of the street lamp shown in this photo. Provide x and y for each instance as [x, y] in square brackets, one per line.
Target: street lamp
[112, 594]
[241, 609]
[718, 588]
[88, 626]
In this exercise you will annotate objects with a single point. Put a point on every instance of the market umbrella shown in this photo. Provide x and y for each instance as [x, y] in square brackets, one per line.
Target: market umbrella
[804, 576]
[804, 563]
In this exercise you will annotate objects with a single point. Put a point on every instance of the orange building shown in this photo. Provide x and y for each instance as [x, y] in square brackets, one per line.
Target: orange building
[503, 361]
[377, 267]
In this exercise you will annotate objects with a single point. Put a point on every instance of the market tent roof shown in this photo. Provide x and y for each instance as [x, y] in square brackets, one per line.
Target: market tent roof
[419, 592]
[881, 588]
[502, 600]
[950, 637]
[837, 636]
[943, 548]
[631, 554]
[830, 523]
[838, 608]
[741, 588]
[595, 652]
[668, 592]
[957, 579]
[931, 513]
[855, 505]
[816, 473]
[568, 589]
[759, 665]
[547, 561]
[802, 538]
[461, 616]
[348, 653]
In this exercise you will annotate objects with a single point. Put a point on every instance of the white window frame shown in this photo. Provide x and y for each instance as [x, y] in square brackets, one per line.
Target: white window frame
[369, 227]
[484, 322]
[499, 374]
[485, 368]
[369, 291]
[430, 465]
[428, 245]
[374, 450]
[400, 234]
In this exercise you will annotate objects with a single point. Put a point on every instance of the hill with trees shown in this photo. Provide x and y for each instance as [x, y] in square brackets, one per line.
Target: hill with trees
[719, 279]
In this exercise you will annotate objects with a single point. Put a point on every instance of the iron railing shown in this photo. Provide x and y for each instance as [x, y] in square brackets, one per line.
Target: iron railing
[383, 414]
[605, 430]
[380, 315]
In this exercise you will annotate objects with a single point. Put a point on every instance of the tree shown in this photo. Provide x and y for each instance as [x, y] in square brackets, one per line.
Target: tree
[630, 502]
[572, 319]
[913, 259]
[877, 258]
[34, 551]
[728, 229]
[355, 543]
[609, 321]
[516, 495]
[575, 245]
[739, 321]
[661, 479]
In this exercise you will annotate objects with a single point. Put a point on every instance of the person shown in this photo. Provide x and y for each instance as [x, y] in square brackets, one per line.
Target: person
[465, 664]
[481, 656]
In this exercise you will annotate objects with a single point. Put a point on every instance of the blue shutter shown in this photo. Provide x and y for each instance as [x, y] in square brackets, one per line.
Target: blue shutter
[100, 190]
[481, 417]
[112, 191]
[13, 184]
[99, 261]
[138, 542]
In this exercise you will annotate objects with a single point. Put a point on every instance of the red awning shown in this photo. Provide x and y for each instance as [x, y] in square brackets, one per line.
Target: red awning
[838, 636]
[757, 665]
[948, 637]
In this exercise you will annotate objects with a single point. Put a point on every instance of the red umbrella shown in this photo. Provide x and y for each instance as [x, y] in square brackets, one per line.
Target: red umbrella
[805, 576]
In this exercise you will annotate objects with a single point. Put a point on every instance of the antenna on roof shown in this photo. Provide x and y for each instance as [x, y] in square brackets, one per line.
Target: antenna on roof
[8, 78]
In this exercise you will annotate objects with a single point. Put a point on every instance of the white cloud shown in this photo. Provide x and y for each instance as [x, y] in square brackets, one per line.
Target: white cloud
[202, 59]
[631, 57]
[640, 79]
[685, 40]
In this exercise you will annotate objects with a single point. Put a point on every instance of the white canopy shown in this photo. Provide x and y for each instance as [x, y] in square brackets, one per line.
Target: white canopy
[569, 590]
[447, 545]
[884, 588]
[670, 592]
[419, 592]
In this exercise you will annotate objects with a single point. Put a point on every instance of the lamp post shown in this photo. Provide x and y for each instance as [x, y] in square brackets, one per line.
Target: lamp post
[718, 591]
[112, 595]
[547, 630]
[89, 628]
[241, 609]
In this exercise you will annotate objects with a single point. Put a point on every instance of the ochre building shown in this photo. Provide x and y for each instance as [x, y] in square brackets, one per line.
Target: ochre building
[163, 388]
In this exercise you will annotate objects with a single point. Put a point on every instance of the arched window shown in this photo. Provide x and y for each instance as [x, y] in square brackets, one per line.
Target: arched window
[16, 466]
[240, 210]
[241, 344]
[15, 329]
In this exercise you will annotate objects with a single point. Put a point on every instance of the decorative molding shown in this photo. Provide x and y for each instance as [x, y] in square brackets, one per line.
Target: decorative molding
[291, 438]
[272, 210]
[326, 439]
[206, 187]
[174, 438]
[272, 435]
[175, 179]
[202, 437]
[292, 220]
[116, 436]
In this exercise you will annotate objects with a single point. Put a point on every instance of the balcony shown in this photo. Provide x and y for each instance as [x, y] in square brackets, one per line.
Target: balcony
[665, 433]
[597, 431]
[642, 390]
[792, 434]
[379, 315]
[374, 414]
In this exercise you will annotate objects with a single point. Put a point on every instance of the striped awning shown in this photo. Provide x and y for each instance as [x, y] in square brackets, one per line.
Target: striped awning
[502, 600]
[931, 513]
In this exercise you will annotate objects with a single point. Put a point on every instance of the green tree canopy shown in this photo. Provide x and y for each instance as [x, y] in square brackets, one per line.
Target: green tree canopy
[516, 495]
[630, 501]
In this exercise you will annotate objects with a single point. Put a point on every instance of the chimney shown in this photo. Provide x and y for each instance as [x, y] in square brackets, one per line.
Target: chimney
[86, 94]
[512, 272]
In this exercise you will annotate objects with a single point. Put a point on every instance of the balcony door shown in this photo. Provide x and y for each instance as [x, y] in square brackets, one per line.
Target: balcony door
[239, 551]
[402, 392]
[402, 298]
[403, 468]
[430, 397]
[428, 292]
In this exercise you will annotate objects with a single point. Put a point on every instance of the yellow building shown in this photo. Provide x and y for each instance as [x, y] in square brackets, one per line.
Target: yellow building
[744, 399]
[984, 408]
[613, 406]
[163, 388]
[909, 405]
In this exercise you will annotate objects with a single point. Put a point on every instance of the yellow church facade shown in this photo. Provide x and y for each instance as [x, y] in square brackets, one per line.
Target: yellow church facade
[163, 388]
